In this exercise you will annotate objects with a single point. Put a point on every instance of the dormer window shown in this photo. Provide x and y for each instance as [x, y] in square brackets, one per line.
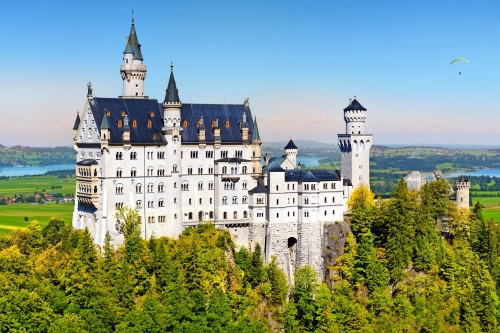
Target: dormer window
[214, 123]
[169, 90]
[134, 123]
[151, 114]
[185, 123]
[108, 113]
[226, 124]
[119, 123]
[123, 113]
[198, 124]
[150, 124]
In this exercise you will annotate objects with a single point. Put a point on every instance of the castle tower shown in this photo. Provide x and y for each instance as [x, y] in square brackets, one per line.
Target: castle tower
[171, 130]
[355, 145]
[256, 149]
[462, 186]
[133, 72]
[291, 152]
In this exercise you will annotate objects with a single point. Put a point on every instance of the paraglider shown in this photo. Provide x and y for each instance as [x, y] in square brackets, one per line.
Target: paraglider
[459, 59]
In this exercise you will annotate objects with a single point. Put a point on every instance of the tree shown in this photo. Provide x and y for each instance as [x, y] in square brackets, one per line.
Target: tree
[361, 197]
[400, 231]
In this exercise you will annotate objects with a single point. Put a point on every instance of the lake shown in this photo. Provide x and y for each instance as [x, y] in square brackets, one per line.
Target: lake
[308, 161]
[478, 172]
[33, 170]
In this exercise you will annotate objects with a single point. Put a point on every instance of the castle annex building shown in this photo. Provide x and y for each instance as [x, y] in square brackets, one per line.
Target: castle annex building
[184, 164]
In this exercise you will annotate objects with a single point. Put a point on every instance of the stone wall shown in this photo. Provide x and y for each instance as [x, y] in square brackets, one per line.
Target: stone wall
[309, 246]
[334, 239]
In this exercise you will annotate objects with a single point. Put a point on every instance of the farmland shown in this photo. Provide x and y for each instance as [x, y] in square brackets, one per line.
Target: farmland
[11, 187]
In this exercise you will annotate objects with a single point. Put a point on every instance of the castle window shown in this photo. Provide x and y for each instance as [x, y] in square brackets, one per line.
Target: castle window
[211, 201]
[161, 188]
[134, 123]
[235, 200]
[245, 214]
[325, 212]
[277, 201]
[306, 214]
[235, 215]
[244, 185]
[244, 200]
[277, 215]
[133, 173]
[185, 123]
[224, 200]
[119, 123]
[198, 123]
[138, 204]
[333, 212]
[190, 201]
[277, 187]
[150, 124]
[214, 123]
[293, 213]
[244, 170]
[333, 199]
[151, 114]
[211, 215]
[325, 199]
[190, 216]
[161, 203]
[201, 201]
[288, 186]
[108, 113]
[138, 188]
[123, 113]
[224, 215]
[226, 124]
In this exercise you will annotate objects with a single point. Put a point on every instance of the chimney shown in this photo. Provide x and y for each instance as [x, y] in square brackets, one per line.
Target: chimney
[126, 130]
[266, 160]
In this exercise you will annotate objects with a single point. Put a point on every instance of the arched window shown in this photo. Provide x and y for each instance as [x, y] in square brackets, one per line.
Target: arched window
[190, 216]
[138, 204]
[224, 200]
[119, 123]
[224, 215]
[134, 123]
[149, 124]
[138, 188]
[325, 212]
[185, 123]
[226, 124]
[245, 214]
[235, 215]
[224, 170]
[211, 215]
[244, 170]
[151, 114]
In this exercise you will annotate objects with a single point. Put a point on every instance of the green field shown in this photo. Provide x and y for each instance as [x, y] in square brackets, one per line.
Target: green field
[491, 207]
[28, 185]
[12, 216]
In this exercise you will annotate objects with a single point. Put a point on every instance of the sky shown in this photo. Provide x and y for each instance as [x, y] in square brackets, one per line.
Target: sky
[298, 62]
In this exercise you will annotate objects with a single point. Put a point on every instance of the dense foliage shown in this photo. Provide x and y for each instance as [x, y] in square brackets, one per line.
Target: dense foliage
[413, 263]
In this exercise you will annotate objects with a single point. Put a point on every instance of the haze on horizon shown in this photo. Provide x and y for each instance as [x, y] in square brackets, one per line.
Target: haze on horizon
[298, 62]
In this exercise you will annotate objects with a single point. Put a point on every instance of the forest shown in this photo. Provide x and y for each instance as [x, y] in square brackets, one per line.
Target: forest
[413, 263]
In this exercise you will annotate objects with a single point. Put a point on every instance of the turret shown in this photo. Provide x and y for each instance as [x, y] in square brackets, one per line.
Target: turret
[105, 132]
[172, 108]
[256, 145]
[291, 152]
[462, 187]
[133, 71]
[355, 116]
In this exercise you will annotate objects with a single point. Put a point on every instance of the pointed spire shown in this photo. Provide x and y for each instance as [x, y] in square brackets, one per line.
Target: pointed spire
[105, 121]
[133, 45]
[172, 94]
[291, 145]
[255, 131]
[77, 121]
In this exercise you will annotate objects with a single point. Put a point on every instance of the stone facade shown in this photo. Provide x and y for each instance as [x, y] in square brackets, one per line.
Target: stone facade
[462, 187]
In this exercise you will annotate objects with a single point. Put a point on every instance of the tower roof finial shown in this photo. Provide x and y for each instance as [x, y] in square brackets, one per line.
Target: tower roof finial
[171, 66]
[132, 16]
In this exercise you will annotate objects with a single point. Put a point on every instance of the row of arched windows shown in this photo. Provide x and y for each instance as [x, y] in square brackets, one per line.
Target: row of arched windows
[86, 172]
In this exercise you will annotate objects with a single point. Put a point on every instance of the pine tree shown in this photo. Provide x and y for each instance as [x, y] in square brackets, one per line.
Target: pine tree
[400, 231]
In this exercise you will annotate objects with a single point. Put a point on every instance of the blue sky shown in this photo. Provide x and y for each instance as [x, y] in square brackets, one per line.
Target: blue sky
[299, 62]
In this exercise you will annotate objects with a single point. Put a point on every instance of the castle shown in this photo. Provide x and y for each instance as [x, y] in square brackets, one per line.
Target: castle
[181, 164]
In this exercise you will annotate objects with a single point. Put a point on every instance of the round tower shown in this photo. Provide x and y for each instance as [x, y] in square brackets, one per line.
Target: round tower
[291, 151]
[133, 71]
[355, 145]
[462, 187]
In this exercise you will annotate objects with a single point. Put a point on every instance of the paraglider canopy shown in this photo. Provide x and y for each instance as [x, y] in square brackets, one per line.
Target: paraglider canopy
[458, 59]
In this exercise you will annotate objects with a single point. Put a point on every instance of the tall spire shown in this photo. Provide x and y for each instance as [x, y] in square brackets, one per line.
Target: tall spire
[133, 45]
[105, 122]
[172, 94]
[255, 131]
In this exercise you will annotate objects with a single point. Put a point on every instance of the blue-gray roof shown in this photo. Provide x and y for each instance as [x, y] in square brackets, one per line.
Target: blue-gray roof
[310, 175]
[144, 110]
[77, 122]
[140, 110]
[258, 189]
[355, 106]
[133, 45]
[87, 162]
[255, 132]
[172, 94]
[105, 122]
[291, 145]
[274, 165]
[232, 113]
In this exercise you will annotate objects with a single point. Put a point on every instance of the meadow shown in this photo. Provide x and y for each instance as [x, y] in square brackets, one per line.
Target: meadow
[28, 185]
[491, 208]
[12, 216]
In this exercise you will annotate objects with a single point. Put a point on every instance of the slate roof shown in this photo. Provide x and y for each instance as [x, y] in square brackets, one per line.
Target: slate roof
[463, 179]
[310, 175]
[255, 132]
[274, 165]
[133, 45]
[355, 106]
[291, 145]
[135, 109]
[140, 111]
[77, 122]
[172, 93]
[105, 122]
[347, 182]
[87, 162]
[232, 159]
[258, 189]
[210, 112]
